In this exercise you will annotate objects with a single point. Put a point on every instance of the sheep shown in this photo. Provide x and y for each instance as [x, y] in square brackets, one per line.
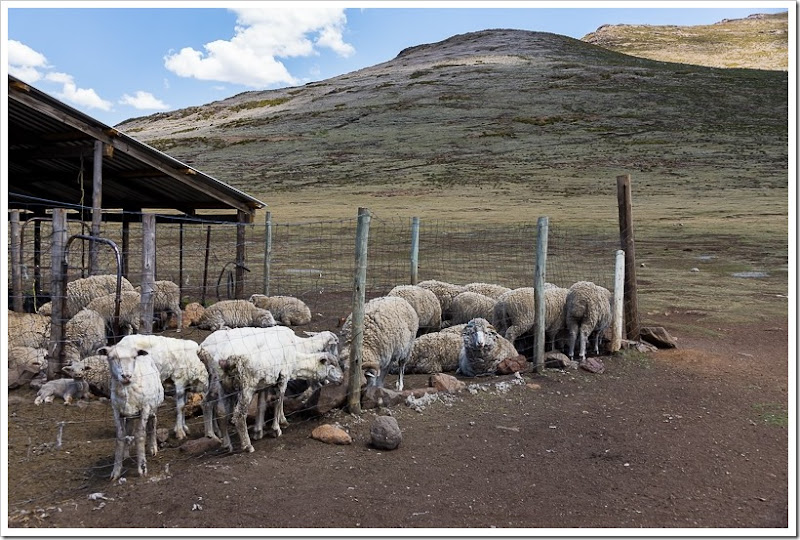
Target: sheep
[249, 360]
[455, 329]
[287, 310]
[130, 310]
[67, 389]
[83, 335]
[228, 314]
[25, 364]
[436, 352]
[424, 302]
[94, 370]
[515, 312]
[444, 291]
[390, 326]
[136, 390]
[177, 360]
[588, 310]
[470, 305]
[482, 349]
[28, 330]
[82, 291]
[487, 289]
[167, 298]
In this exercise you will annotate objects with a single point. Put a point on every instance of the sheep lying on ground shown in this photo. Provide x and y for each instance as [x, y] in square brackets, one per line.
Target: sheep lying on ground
[94, 370]
[436, 352]
[83, 335]
[515, 312]
[136, 394]
[167, 298]
[588, 310]
[287, 310]
[390, 326]
[28, 330]
[470, 305]
[67, 389]
[228, 314]
[177, 361]
[487, 289]
[444, 291]
[250, 360]
[482, 349]
[82, 291]
[130, 310]
[424, 302]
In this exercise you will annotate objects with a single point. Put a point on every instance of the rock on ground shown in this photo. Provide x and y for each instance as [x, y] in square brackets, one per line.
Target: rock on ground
[658, 336]
[446, 383]
[385, 434]
[330, 434]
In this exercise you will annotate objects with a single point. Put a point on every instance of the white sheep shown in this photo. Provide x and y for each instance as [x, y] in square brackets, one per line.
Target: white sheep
[94, 370]
[287, 310]
[83, 335]
[444, 291]
[588, 310]
[390, 326]
[487, 289]
[130, 310]
[167, 298]
[227, 314]
[28, 330]
[177, 361]
[136, 393]
[424, 302]
[67, 389]
[470, 305]
[482, 349]
[250, 360]
[436, 352]
[515, 312]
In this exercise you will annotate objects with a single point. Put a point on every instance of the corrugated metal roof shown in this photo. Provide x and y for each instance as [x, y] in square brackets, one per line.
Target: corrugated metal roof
[50, 156]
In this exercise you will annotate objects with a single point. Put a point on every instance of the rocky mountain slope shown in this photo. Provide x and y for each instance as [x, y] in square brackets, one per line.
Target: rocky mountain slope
[498, 106]
[760, 41]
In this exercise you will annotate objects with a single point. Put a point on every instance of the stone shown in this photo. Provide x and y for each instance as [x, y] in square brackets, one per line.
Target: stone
[330, 434]
[558, 360]
[418, 392]
[199, 446]
[373, 397]
[514, 364]
[384, 433]
[658, 336]
[446, 383]
[593, 365]
[20, 376]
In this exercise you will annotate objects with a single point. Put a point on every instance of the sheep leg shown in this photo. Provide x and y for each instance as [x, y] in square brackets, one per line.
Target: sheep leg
[139, 436]
[179, 315]
[573, 335]
[208, 420]
[240, 417]
[261, 413]
[119, 448]
[282, 383]
[584, 338]
[180, 422]
[222, 408]
[152, 440]
[401, 367]
[513, 333]
[597, 337]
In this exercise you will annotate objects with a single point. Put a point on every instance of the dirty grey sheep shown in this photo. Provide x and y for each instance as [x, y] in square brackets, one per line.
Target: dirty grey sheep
[287, 310]
[227, 314]
[94, 370]
[83, 335]
[436, 352]
[167, 299]
[424, 302]
[482, 349]
[470, 305]
[487, 289]
[28, 330]
[588, 310]
[444, 291]
[515, 311]
[130, 310]
[82, 291]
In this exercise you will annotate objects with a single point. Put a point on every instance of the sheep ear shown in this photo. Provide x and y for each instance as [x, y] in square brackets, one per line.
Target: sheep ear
[142, 352]
[102, 351]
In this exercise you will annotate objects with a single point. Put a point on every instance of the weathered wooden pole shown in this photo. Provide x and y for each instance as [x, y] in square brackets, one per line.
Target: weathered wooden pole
[619, 295]
[205, 266]
[58, 266]
[180, 262]
[627, 245]
[148, 271]
[267, 253]
[238, 286]
[16, 261]
[538, 285]
[37, 261]
[126, 242]
[97, 205]
[414, 250]
[359, 296]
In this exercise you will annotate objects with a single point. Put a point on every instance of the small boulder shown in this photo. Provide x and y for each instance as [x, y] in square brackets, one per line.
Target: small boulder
[658, 336]
[446, 383]
[330, 434]
[385, 434]
[373, 397]
[199, 446]
[514, 364]
[558, 360]
[593, 365]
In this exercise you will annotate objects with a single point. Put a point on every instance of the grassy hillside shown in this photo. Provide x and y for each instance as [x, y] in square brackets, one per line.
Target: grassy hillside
[760, 41]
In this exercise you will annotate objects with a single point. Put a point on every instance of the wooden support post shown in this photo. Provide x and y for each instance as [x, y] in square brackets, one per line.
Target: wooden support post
[414, 250]
[180, 264]
[267, 253]
[627, 245]
[16, 262]
[37, 261]
[205, 267]
[359, 295]
[148, 270]
[538, 285]
[126, 242]
[619, 295]
[97, 205]
[238, 290]
[58, 267]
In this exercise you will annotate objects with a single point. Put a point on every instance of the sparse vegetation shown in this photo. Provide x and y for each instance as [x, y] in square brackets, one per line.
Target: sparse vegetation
[257, 104]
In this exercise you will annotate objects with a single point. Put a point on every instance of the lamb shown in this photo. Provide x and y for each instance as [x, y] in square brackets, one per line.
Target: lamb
[444, 291]
[28, 330]
[177, 360]
[67, 389]
[130, 310]
[136, 390]
[83, 335]
[249, 360]
[515, 312]
[228, 314]
[287, 310]
[588, 310]
[82, 291]
[390, 326]
[436, 352]
[487, 289]
[167, 298]
[424, 302]
[470, 305]
[482, 349]
[94, 370]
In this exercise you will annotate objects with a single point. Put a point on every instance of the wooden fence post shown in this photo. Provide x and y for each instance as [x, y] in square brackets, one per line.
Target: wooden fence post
[97, 205]
[238, 286]
[627, 245]
[37, 262]
[538, 285]
[205, 267]
[267, 253]
[414, 250]
[619, 295]
[16, 261]
[57, 292]
[359, 294]
[180, 264]
[148, 270]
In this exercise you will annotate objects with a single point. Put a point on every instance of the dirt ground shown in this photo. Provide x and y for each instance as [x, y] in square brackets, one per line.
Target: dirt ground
[683, 438]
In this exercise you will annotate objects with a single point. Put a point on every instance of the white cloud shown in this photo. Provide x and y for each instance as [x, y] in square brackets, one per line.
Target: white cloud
[24, 62]
[143, 100]
[84, 97]
[262, 36]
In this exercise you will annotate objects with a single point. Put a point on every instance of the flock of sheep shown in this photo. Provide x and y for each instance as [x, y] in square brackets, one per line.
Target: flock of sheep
[252, 353]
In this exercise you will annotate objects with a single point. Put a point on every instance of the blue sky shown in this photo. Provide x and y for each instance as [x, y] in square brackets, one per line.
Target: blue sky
[114, 61]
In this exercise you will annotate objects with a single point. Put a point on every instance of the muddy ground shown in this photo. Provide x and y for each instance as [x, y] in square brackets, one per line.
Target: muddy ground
[689, 437]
